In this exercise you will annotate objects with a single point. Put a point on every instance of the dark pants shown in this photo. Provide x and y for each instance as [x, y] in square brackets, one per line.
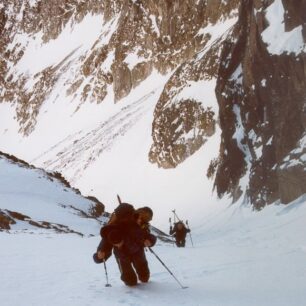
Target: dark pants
[128, 265]
[180, 243]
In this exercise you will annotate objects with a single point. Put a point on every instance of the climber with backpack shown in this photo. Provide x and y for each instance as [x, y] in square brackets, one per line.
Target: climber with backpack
[126, 235]
[179, 231]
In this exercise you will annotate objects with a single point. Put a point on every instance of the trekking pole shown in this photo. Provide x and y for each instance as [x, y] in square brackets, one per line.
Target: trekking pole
[107, 283]
[189, 233]
[183, 287]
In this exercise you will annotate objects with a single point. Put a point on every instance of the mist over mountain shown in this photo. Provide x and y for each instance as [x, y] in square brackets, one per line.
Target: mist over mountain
[160, 101]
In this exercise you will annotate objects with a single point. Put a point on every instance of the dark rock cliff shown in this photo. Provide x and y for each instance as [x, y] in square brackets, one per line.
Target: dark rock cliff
[265, 103]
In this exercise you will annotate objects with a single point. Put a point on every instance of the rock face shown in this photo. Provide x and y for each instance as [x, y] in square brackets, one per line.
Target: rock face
[179, 131]
[261, 96]
[182, 124]
[141, 36]
[237, 65]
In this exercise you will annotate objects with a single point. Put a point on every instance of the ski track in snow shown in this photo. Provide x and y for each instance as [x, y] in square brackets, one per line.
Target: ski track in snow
[76, 152]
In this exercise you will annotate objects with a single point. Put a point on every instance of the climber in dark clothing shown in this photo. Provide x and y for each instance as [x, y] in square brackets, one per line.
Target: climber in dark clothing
[179, 231]
[127, 239]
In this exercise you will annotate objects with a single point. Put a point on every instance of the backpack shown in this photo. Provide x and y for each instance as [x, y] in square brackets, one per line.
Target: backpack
[176, 226]
[123, 212]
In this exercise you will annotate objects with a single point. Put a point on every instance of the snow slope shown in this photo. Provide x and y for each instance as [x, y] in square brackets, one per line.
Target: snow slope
[240, 257]
[42, 198]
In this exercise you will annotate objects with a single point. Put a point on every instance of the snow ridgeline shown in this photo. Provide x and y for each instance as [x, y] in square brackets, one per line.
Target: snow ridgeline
[31, 198]
[241, 257]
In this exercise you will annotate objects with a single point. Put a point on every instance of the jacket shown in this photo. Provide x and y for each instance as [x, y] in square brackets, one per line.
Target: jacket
[130, 232]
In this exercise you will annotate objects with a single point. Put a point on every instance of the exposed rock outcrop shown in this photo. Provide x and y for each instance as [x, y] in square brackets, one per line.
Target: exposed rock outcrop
[141, 36]
[262, 109]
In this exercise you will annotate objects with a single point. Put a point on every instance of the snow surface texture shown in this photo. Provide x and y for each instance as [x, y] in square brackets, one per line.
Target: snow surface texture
[240, 257]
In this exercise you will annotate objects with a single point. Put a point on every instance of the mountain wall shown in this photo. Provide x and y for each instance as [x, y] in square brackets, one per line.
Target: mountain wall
[261, 95]
[232, 66]
[135, 38]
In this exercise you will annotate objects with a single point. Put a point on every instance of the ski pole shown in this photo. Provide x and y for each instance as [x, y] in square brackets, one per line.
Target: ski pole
[107, 283]
[119, 200]
[183, 287]
[189, 233]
